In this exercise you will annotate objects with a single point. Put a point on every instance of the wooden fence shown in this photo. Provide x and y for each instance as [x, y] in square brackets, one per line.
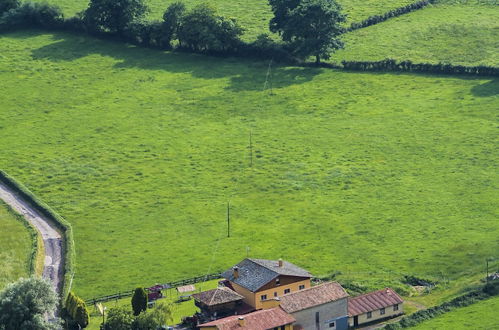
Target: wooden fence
[169, 285]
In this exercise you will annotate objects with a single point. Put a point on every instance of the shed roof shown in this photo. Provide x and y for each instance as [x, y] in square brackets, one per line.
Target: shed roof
[259, 320]
[217, 296]
[255, 273]
[314, 296]
[373, 301]
[186, 288]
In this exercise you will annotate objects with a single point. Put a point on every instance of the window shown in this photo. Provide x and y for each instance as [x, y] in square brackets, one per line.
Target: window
[263, 297]
[395, 308]
[302, 287]
[287, 291]
[275, 294]
[382, 311]
[332, 324]
[369, 315]
[277, 281]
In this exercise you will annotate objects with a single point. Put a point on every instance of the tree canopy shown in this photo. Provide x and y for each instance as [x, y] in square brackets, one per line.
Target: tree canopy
[139, 301]
[24, 304]
[310, 27]
[113, 15]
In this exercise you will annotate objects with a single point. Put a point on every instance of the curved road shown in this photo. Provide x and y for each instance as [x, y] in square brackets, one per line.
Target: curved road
[52, 239]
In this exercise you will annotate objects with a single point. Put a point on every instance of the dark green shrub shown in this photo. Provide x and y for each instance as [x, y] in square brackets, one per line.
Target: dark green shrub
[113, 16]
[32, 14]
[139, 301]
[6, 5]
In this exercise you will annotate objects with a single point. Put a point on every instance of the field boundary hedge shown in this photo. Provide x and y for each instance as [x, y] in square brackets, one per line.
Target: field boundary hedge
[375, 19]
[476, 295]
[391, 65]
[68, 254]
[33, 233]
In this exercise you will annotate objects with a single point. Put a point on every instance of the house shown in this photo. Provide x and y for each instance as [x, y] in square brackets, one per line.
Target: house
[218, 302]
[324, 306]
[266, 319]
[374, 306]
[258, 280]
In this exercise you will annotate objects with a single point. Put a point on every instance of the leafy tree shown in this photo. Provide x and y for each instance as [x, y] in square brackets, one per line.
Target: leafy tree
[311, 27]
[6, 5]
[281, 10]
[139, 301]
[119, 318]
[172, 21]
[24, 304]
[202, 29]
[32, 14]
[113, 15]
[159, 316]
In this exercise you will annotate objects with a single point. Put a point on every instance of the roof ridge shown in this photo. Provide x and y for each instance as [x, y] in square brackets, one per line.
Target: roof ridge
[373, 292]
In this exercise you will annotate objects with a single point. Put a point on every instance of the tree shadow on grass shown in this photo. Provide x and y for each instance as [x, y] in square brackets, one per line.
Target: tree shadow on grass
[243, 74]
[490, 88]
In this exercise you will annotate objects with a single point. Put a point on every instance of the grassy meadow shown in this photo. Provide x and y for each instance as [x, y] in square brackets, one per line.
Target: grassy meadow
[15, 243]
[373, 175]
[461, 34]
[479, 316]
[254, 15]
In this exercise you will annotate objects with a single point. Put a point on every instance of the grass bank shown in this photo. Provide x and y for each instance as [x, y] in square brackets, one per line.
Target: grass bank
[19, 246]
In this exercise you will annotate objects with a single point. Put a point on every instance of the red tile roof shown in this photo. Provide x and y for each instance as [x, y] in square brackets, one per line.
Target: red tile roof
[373, 301]
[259, 320]
[314, 296]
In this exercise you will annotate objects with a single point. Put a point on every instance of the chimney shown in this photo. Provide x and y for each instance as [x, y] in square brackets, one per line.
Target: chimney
[242, 322]
[235, 272]
[280, 262]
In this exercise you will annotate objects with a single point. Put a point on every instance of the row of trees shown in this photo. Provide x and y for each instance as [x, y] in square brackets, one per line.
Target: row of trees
[307, 27]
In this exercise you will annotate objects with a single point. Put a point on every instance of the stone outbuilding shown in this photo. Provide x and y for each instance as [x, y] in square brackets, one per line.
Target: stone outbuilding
[374, 307]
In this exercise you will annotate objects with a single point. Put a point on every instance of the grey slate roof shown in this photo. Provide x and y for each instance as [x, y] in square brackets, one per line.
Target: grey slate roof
[255, 273]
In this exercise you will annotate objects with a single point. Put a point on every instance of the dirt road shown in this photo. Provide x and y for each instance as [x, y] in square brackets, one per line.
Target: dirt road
[52, 239]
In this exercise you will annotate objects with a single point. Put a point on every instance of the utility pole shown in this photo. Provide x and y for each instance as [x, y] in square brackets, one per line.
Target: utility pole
[228, 219]
[251, 148]
[487, 275]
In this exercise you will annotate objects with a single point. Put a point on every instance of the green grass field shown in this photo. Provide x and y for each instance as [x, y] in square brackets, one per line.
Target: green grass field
[464, 34]
[479, 316]
[373, 175]
[15, 243]
[254, 15]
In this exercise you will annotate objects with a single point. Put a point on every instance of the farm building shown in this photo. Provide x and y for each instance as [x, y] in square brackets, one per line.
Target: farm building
[219, 302]
[258, 280]
[273, 318]
[324, 306]
[374, 306]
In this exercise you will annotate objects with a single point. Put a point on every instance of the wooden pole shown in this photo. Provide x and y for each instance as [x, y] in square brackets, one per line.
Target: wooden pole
[228, 219]
[251, 148]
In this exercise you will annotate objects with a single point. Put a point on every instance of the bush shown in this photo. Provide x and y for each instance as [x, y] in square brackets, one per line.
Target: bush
[113, 16]
[6, 5]
[76, 310]
[32, 14]
[119, 318]
[202, 30]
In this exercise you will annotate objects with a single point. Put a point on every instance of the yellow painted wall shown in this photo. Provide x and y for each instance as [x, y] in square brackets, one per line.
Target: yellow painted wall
[389, 312]
[254, 299]
[280, 291]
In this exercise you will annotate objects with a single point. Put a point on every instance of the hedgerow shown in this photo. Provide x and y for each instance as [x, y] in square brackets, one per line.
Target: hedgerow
[375, 19]
[487, 291]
